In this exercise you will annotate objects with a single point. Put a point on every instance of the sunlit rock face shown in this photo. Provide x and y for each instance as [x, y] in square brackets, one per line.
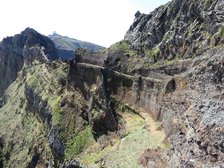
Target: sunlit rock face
[181, 28]
[154, 99]
[23, 49]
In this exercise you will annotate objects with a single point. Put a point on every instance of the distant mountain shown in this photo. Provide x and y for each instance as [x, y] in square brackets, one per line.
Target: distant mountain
[66, 45]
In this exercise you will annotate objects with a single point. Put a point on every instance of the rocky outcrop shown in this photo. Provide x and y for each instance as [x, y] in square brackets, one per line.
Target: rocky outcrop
[44, 111]
[179, 29]
[193, 113]
[188, 102]
[102, 84]
[76, 104]
[100, 112]
[40, 106]
[56, 142]
[23, 49]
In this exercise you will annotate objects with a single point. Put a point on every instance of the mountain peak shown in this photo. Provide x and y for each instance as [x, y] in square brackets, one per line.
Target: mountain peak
[21, 49]
[29, 30]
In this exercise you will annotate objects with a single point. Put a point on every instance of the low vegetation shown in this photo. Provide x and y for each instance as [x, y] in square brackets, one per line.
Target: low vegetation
[79, 142]
[123, 46]
[141, 132]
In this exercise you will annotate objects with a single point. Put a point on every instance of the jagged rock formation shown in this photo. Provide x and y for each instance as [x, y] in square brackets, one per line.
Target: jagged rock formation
[23, 49]
[95, 110]
[67, 46]
[190, 106]
[179, 29]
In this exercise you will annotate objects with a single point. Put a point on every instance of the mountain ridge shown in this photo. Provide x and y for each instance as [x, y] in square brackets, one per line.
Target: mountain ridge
[22, 49]
[134, 104]
[67, 46]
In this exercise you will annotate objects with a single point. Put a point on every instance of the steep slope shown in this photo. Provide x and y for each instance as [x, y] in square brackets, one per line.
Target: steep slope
[67, 46]
[49, 117]
[23, 49]
[131, 105]
[190, 106]
[29, 117]
[179, 29]
[181, 41]
[176, 31]
[75, 121]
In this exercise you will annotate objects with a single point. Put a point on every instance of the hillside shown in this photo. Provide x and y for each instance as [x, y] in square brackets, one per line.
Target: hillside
[67, 46]
[23, 49]
[153, 100]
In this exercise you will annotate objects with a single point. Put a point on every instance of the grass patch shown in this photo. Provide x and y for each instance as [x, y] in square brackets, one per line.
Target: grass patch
[221, 32]
[140, 135]
[165, 38]
[55, 102]
[153, 53]
[80, 142]
[123, 46]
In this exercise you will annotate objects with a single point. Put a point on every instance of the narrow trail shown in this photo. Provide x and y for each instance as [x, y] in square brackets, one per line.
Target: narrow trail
[120, 73]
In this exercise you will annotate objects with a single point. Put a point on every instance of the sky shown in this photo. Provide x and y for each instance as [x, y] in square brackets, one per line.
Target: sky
[102, 22]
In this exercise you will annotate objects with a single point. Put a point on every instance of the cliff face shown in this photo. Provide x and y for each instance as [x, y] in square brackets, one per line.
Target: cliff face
[132, 99]
[179, 47]
[179, 29]
[23, 49]
[193, 111]
[189, 105]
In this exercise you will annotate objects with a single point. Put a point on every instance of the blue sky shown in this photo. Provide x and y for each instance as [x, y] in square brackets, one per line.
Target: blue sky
[103, 22]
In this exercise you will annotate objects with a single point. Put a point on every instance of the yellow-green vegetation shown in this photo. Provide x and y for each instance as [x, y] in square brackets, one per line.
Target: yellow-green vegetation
[153, 53]
[165, 37]
[208, 3]
[123, 46]
[142, 133]
[207, 35]
[55, 104]
[221, 32]
[79, 142]
[21, 128]
[47, 84]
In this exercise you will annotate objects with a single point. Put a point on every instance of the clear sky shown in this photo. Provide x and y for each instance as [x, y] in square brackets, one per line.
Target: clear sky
[103, 22]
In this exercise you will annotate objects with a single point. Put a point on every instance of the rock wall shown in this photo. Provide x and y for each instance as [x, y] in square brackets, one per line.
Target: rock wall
[189, 104]
[181, 28]
[140, 92]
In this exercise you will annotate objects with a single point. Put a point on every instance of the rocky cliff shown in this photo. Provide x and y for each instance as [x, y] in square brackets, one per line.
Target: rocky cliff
[20, 50]
[154, 99]
[180, 44]
[179, 29]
